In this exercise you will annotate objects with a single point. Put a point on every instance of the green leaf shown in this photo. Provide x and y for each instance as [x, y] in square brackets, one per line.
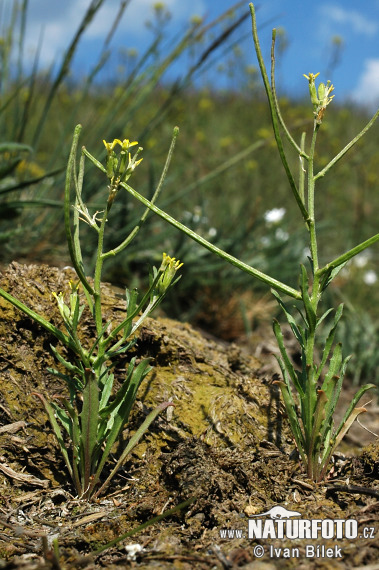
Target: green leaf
[293, 418]
[340, 434]
[106, 390]
[288, 364]
[118, 416]
[334, 368]
[15, 147]
[304, 284]
[98, 338]
[56, 430]
[70, 367]
[63, 418]
[328, 277]
[133, 442]
[334, 390]
[320, 320]
[291, 321]
[330, 338]
[73, 382]
[352, 405]
[317, 420]
[89, 421]
[106, 411]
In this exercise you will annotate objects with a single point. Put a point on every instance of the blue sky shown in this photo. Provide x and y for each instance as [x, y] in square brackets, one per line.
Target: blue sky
[309, 27]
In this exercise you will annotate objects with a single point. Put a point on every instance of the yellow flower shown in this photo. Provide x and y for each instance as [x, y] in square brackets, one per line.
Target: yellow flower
[169, 267]
[125, 145]
[311, 77]
[312, 88]
[170, 262]
[120, 167]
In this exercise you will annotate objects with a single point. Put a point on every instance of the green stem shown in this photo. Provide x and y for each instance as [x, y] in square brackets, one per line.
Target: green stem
[72, 243]
[311, 392]
[134, 232]
[274, 283]
[274, 117]
[348, 255]
[290, 138]
[347, 147]
[99, 267]
[302, 169]
[311, 205]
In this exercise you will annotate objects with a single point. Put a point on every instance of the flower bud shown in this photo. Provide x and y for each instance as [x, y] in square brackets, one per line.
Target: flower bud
[321, 91]
[120, 168]
[169, 267]
[63, 308]
[312, 88]
[319, 97]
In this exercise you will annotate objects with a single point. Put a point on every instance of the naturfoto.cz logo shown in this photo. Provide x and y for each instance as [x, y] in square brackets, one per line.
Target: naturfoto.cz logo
[302, 528]
[282, 524]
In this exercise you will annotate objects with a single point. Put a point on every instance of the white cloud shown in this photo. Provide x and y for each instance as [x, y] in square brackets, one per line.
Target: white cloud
[353, 19]
[367, 91]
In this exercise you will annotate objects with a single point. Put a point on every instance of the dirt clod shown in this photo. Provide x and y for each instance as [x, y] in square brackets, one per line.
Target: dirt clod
[225, 443]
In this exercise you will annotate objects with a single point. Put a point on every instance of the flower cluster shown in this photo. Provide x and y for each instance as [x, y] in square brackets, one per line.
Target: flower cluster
[320, 97]
[120, 168]
[169, 267]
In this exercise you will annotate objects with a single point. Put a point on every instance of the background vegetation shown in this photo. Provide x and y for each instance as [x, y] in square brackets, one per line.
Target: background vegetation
[224, 179]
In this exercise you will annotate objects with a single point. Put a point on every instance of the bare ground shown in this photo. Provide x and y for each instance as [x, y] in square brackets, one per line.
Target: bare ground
[225, 444]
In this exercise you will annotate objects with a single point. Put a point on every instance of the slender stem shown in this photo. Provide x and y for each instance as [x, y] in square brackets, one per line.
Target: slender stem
[277, 285]
[72, 245]
[348, 255]
[302, 170]
[98, 270]
[347, 147]
[290, 138]
[311, 392]
[136, 229]
[311, 201]
[274, 117]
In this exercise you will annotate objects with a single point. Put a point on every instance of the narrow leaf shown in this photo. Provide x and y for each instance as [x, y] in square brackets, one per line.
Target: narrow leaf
[353, 403]
[328, 277]
[330, 338]
[120, 415]
[289, 317]
[293, 419]
[89, 420]
[334, 369]
[354, 413]
[57, 431]
[134, 440]
[304, 284]
[288, 364]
